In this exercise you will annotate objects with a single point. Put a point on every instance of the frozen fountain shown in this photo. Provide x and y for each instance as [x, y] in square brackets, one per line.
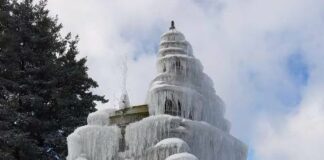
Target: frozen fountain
[183, 118]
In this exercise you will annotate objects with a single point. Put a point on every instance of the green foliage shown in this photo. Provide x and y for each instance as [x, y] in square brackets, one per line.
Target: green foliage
[45, 91]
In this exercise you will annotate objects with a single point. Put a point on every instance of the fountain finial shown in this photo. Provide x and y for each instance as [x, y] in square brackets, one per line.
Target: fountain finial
[172, 25]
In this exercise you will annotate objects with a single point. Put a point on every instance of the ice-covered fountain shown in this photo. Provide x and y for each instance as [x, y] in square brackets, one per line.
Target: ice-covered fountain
[183, 118]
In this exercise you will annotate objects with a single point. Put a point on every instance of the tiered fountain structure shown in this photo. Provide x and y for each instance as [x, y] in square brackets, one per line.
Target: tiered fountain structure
[183, 118]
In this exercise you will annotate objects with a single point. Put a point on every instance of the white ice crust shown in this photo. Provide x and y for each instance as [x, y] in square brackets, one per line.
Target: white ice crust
[124, 101]
[93, 142]
[172, 142]
[182, 156]
[100, 117]
[204, 140]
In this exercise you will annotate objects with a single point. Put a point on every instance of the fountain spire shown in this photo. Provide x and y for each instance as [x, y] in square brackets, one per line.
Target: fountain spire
[172, 25]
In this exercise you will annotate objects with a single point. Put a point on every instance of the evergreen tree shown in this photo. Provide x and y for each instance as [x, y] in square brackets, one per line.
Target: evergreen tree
[44, 89]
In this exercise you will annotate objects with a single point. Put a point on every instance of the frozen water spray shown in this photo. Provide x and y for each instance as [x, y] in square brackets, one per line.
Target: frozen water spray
[124, 100]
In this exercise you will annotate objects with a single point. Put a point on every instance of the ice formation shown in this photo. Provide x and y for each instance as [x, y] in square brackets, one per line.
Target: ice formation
[181, 88]
[186, 117]
[205, 141]
[100, 117]
[94, 142]
[182, 156]
[124, 100]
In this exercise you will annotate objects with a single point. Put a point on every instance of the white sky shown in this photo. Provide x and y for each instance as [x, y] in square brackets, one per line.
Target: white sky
[265, 58]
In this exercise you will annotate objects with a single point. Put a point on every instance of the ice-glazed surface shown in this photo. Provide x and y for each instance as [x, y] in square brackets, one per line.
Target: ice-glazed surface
[93, 142]
[82, 157]
[204, 140]
[182, 156]
[181, 87]
[173, 142]
[100, 117]
[161, 150]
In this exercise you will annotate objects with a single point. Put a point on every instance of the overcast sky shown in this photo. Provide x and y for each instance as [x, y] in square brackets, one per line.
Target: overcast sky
[266, 58]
